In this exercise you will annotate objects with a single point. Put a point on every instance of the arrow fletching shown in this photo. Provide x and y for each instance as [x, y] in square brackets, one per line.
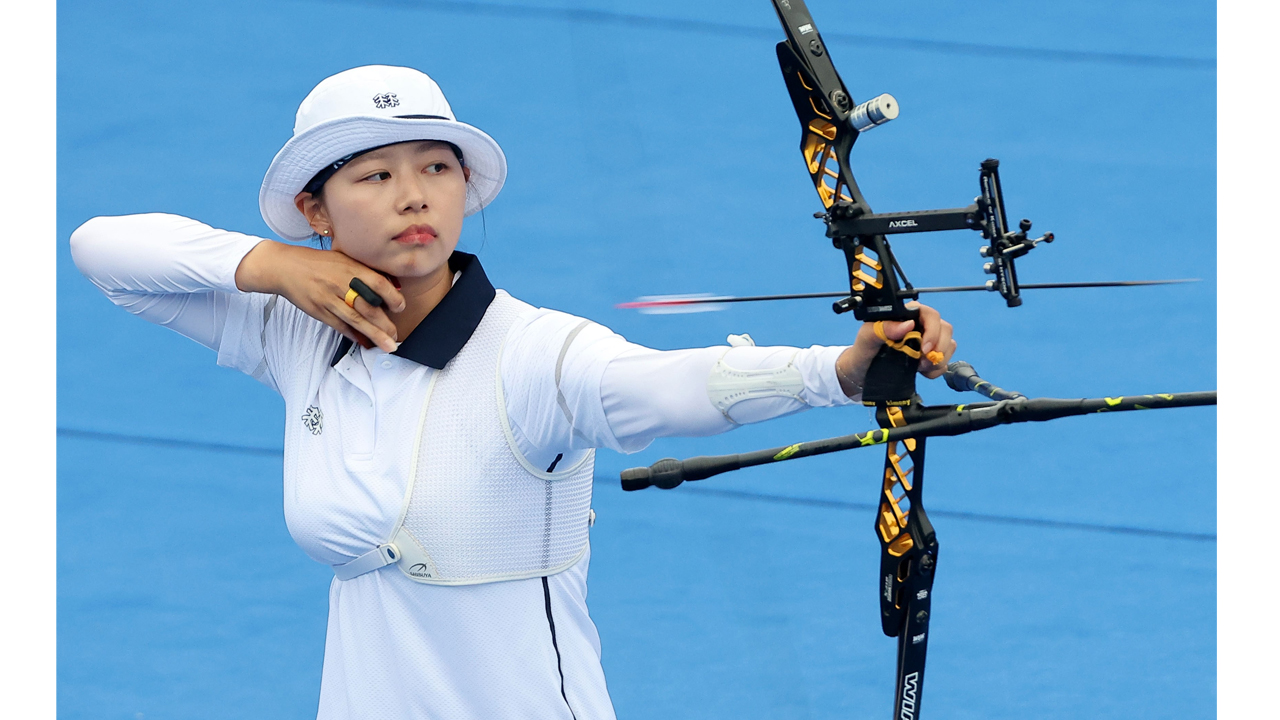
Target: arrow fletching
[677, 304]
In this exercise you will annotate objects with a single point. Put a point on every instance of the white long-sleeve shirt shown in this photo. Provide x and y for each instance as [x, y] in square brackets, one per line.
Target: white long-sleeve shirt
[481, 651]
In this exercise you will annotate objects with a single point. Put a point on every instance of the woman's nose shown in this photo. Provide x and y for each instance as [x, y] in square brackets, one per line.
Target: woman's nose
[413, 195]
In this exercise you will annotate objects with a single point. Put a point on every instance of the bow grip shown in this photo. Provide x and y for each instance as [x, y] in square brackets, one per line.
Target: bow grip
[891, 377]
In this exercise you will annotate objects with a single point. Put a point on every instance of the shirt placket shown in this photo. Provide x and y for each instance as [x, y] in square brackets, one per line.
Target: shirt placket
[359, 422]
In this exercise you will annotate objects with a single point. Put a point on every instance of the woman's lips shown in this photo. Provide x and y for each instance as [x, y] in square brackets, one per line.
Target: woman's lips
[416, 235]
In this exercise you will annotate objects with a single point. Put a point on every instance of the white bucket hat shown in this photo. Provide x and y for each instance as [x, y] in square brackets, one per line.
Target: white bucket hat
[365, 108]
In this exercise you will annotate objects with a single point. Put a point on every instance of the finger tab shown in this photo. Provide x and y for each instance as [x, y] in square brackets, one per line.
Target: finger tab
[366, 292]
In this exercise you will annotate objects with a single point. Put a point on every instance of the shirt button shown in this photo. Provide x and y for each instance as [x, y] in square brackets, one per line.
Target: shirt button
[386, 364]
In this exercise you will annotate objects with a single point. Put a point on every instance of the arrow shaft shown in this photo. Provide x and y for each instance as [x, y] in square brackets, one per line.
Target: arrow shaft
[678, 301]
[1058, 286]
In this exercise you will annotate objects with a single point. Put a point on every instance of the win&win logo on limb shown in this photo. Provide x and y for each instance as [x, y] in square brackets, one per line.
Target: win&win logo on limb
[910, 686]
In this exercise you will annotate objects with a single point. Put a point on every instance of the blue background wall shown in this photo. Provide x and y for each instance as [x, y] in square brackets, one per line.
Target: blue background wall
[652, 150]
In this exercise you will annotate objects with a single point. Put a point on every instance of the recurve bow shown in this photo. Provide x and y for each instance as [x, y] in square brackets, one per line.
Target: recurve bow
[831, 122]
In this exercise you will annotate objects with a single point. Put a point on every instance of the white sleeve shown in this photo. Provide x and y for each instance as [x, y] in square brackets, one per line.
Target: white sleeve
[551, 368]
[571, 384]
[179, 273]
[648, 394]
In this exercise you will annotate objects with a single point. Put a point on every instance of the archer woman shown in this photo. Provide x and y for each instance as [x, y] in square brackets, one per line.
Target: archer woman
[440, 434]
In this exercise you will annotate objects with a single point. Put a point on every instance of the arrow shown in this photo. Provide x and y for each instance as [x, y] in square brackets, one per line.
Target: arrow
[706, 302]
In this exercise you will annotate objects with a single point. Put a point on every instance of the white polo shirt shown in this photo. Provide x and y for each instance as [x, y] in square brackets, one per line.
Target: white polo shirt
[395, 648]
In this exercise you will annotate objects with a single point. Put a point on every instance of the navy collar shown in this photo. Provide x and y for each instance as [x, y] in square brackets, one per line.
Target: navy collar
[443, 332]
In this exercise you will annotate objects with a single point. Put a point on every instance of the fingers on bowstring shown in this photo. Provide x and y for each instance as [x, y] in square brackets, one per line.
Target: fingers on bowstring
[373, 280]
[375, 316]
[335, 321]
[365, 329]
[391, 296]
[392, 299]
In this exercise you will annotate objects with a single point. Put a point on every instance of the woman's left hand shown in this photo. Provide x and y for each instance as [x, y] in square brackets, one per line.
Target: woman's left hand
[935, 334]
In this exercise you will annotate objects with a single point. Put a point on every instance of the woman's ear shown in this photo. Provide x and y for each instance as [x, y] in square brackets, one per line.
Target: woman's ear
[466, 174]
[312, 208]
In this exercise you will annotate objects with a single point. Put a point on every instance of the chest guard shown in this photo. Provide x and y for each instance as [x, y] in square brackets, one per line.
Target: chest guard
[475, 510]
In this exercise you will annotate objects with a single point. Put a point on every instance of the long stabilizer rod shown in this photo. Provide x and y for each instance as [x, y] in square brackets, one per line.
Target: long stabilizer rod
[951, 420]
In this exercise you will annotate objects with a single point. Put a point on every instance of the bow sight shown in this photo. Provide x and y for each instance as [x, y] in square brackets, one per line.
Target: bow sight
[831, 126]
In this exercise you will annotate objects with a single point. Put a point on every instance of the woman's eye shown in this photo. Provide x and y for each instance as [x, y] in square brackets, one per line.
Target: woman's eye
[379, 176]
[437, 168]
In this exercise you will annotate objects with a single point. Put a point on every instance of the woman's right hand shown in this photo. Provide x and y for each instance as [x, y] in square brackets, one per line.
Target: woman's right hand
[316, 281]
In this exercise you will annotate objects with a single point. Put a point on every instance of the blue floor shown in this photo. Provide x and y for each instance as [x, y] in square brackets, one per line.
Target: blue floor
[653, 150]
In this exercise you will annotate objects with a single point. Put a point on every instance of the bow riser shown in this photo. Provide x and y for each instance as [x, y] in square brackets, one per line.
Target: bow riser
[878, 290]
[877, 286]
[826, 140]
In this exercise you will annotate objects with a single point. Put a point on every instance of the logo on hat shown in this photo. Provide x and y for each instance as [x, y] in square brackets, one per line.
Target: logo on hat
[385, 100]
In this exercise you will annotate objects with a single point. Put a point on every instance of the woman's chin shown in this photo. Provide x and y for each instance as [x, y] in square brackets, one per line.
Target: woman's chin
[412, 267]
[419, 263]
